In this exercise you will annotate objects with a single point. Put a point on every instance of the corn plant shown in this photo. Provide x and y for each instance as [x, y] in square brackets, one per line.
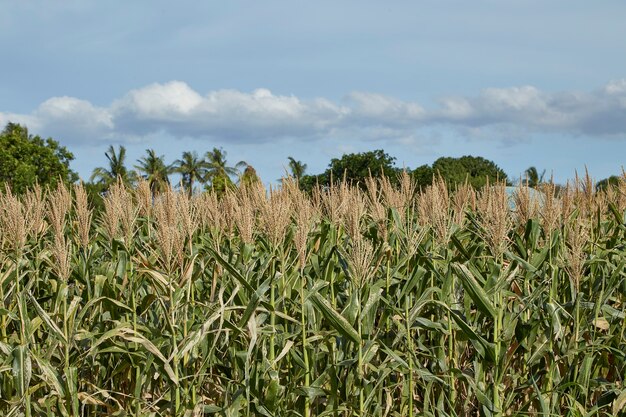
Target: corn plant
[354, 301]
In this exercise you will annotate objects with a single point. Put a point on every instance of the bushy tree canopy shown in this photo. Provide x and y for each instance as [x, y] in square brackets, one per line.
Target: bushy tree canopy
[249, 177]
[611, 181]
[356, 167]
[422, 175]
[474, 169]
[26, 160]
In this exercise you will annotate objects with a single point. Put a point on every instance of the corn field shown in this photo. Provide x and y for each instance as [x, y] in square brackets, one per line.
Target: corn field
[356, 301]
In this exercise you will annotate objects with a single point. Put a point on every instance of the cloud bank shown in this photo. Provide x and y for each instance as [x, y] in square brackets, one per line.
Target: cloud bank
[260, 116]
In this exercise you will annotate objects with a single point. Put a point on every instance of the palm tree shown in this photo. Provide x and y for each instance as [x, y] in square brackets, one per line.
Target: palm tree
[191, 168]
[217, 170]
[117, 168]
[154, 169]
[533, 178]
[298, 168]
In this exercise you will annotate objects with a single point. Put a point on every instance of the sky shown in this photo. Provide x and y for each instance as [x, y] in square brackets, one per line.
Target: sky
[522, 83]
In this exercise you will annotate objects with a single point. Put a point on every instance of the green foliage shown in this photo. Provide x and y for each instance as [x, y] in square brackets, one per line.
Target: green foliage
[532, 177]
[154, 170]
[474, 169]
[249, 177]
[192, 168]
[612, 181]
[95, 191]
[116, 169]
[422, 175]
[218, 172]
[219, 184]
[297, 168]
[355, 168]
[308, 182]
[217, 166]
[382, 318]
[456, 171]
[26, 160]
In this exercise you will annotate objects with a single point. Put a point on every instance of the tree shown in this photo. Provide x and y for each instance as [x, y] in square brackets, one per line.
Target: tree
[533, 178]
[309, 182]
[26, 160]
[192, 169]
[423, 176]
[219, 184]
[218, 172]
[297, 168]
[155, 171]
[249, 177]
[356, 167]
[95, 192]
[117, 168]
[612, 181]
[474, 169]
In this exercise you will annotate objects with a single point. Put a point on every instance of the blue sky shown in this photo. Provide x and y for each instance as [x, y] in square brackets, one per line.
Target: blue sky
[519, 82]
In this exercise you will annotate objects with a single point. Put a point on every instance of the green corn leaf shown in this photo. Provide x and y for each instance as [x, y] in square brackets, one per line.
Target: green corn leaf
[50, 374]
[10, 314]
[236, 274]
[22, 369]
[483, 347]
[475, 290]
[160, 279]
[71, 379]
[336, 320]
[193, 339]
[396, 357]
[256, 299]
[54, 329]
[128, 334]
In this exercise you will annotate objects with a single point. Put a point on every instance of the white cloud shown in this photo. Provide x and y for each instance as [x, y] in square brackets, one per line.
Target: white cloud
[79, 119]
[378, 108]
[616, 87]
[170, 101]
[455, 108]
[66, 118]
[261, 116]
[596, 113]
[25, 119]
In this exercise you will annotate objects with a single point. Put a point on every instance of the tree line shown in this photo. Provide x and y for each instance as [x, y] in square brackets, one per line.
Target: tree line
[26, 160]
[211, 171]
